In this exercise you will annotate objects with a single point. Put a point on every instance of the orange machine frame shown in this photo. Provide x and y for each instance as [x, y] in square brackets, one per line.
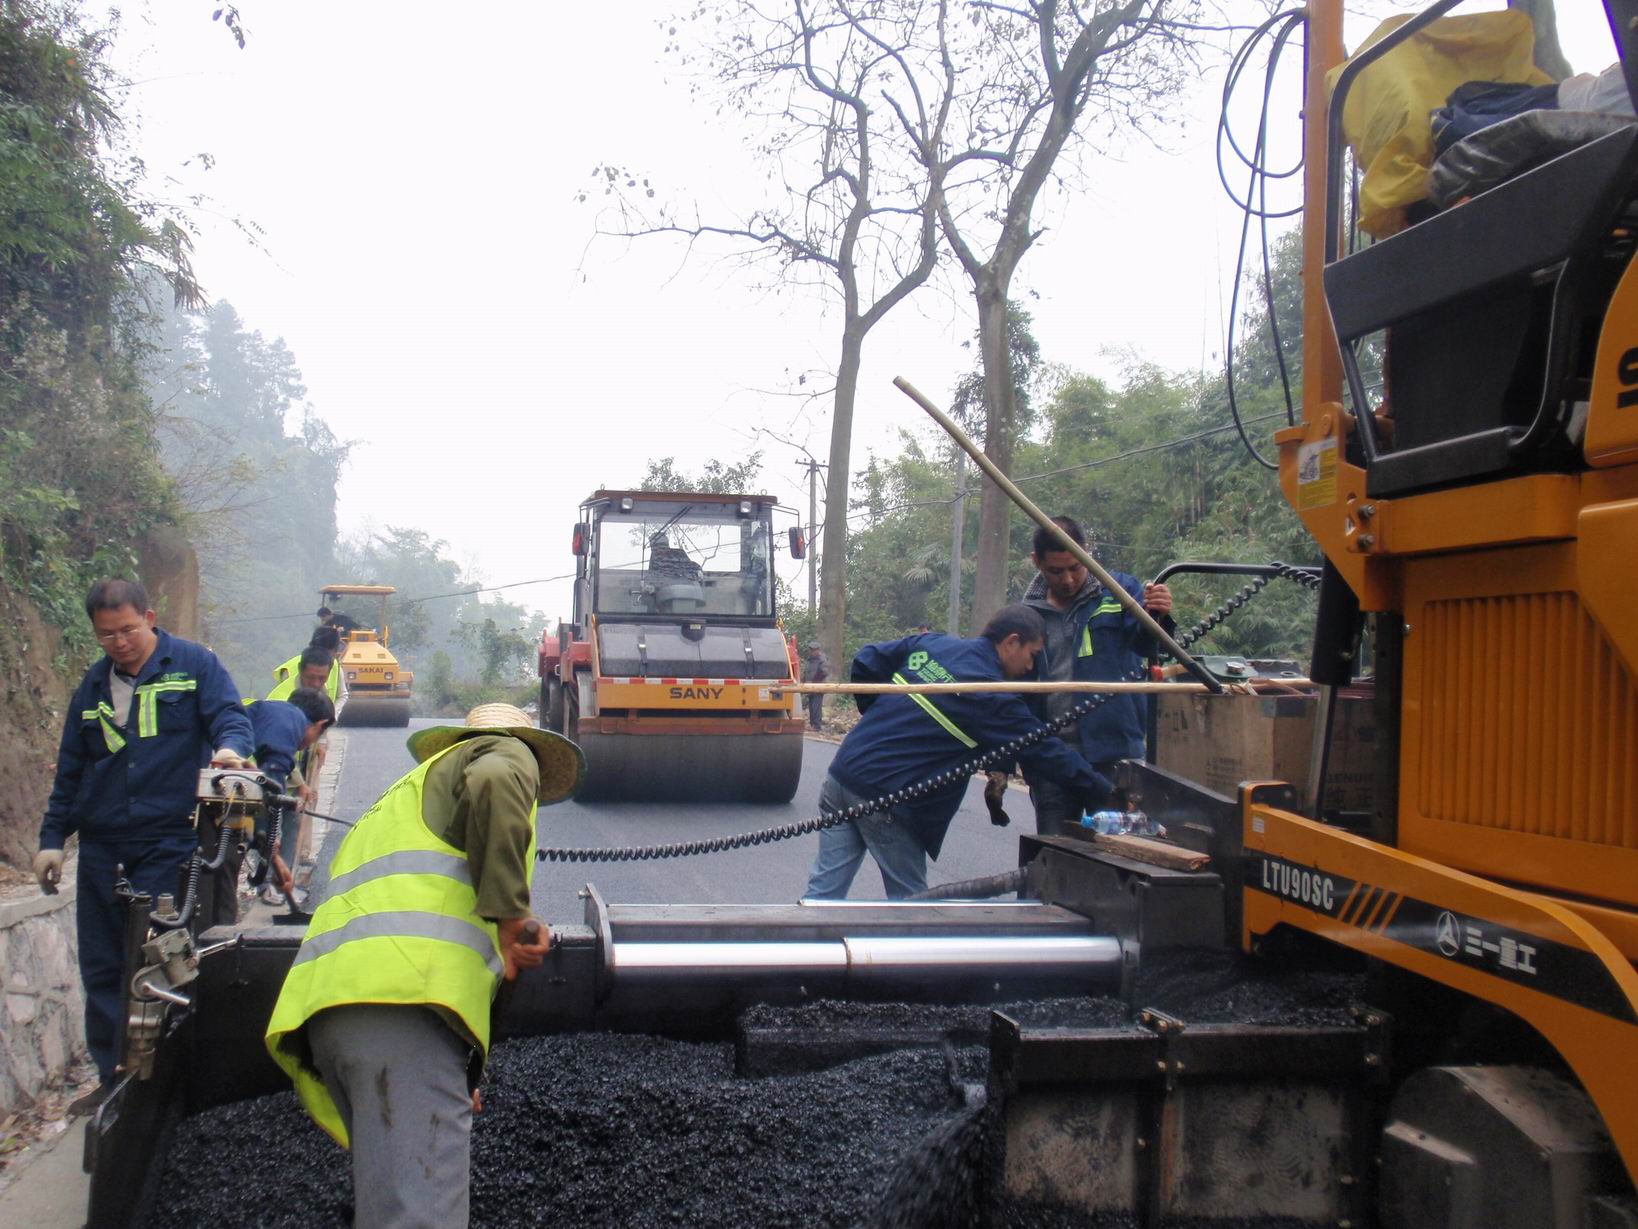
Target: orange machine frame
[1515, 874]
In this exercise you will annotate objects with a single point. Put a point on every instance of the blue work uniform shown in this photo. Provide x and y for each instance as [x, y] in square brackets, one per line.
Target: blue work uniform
[1109, 645]
[279, 729]
[128, 791]
[904, 740]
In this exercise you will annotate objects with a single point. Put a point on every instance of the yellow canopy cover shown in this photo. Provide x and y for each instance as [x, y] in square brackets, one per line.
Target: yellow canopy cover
[1386, 119]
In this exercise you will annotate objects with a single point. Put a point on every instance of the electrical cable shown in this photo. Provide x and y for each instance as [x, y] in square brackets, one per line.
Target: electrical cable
[1004, 754]
[1139, 451]
[190, 893]
[409, 601]
[1225, 131]
[1280, 28]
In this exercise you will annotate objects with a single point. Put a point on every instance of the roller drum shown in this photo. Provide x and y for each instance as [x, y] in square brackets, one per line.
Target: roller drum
[368, 709]
[763, 768]
[654, 964]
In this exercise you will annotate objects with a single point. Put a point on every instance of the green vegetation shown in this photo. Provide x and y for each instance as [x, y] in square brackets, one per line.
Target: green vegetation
[80, 253]
[1150, 464]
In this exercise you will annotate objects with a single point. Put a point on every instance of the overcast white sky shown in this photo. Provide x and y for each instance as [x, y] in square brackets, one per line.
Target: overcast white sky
[412, 170]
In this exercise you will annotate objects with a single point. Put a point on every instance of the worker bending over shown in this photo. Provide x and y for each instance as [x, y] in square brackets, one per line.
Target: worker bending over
[383, 1020]
[145, 719]
[904, 740]
[315, 667]
[1090, 637]
[284, 729]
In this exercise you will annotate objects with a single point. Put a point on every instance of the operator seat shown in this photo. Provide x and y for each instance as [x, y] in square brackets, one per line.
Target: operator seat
[1493, 310]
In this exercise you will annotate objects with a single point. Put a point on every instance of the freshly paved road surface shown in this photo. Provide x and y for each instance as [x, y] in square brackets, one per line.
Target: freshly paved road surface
[765, 874]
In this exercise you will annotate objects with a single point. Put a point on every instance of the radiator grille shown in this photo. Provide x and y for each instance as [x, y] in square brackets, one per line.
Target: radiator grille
[1529, 720]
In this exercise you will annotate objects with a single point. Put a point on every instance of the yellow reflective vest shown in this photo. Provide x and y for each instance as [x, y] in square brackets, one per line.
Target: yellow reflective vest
[400, 926]
[289, 675]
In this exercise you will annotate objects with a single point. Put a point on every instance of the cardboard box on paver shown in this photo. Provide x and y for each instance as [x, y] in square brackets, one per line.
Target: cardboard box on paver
[1220, 741]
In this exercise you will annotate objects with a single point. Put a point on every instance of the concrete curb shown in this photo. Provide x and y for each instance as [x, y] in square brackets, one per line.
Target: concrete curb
[14, 911]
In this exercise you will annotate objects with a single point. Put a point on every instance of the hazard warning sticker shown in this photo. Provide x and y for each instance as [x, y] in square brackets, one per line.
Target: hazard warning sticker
[1317, 474]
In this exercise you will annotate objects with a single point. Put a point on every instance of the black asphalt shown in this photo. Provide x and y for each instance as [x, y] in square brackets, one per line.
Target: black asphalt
[765, 874]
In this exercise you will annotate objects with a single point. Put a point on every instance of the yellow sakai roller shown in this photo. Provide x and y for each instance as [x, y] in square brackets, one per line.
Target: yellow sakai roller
[378, 690]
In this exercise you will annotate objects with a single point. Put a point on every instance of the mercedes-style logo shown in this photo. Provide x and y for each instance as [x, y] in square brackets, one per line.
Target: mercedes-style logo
[1448, 935]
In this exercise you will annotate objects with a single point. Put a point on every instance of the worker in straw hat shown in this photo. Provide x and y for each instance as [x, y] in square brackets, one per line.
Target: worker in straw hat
[383, 1020]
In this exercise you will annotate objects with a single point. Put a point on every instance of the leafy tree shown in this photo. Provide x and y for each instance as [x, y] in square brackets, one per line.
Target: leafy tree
[969, 404]
[80, 480]
[255, 470]
[717, 477]
[502, 652]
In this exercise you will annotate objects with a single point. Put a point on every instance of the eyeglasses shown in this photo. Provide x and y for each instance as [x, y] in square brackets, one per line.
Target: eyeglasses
[122, 633]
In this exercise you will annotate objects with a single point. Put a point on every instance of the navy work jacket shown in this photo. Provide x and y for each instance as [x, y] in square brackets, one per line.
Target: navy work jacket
[902, 741]
[279, 728]
[1110, 646]
[139, 781]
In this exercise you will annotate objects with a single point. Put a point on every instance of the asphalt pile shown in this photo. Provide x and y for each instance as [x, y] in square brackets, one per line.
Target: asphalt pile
[611, 1130]
[1199, 987]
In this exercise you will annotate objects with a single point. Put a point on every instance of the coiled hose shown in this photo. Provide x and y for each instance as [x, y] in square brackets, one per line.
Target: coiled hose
[1004, 754]
[190, 894]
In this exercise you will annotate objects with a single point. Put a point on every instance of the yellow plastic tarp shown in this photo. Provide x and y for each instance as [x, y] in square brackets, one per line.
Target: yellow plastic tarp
[1387, 116]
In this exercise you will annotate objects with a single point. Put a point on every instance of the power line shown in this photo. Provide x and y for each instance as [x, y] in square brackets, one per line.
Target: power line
[409, 601]
[1133, 452]
[868, 512]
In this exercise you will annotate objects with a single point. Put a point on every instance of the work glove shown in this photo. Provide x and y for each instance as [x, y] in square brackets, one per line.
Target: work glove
[995, 789]
[48, 869]
[225, 758]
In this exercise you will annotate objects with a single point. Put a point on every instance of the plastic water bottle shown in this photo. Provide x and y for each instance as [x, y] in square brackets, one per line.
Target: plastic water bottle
[1110, 822]
[1105, 822]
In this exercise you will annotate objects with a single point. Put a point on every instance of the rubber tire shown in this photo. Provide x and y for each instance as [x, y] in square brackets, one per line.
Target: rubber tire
[551, 704]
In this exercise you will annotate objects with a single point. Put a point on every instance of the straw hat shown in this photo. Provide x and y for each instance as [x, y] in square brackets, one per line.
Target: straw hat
[562, 764]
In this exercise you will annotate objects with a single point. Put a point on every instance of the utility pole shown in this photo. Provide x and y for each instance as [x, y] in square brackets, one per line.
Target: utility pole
[958, 527]
[813, 467]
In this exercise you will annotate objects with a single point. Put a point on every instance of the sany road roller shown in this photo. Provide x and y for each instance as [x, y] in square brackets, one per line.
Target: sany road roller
[668, 675]
[378, 687]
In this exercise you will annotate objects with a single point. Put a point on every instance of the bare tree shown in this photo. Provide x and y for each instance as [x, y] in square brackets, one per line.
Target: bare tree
[1024, 82]
[834, 93]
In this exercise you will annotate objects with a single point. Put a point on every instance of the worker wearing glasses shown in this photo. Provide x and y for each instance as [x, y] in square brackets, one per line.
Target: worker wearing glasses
[146, 718]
